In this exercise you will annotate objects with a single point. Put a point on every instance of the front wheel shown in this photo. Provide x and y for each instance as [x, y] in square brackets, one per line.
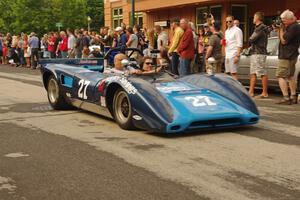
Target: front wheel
[55, 96]
[122, 110]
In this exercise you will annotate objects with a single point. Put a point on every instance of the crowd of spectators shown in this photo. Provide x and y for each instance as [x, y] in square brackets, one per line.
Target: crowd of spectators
[179, 45]
[183, 48]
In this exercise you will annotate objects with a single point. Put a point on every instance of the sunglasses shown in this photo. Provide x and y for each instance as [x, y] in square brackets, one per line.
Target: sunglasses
[149, 63]
[228, 21]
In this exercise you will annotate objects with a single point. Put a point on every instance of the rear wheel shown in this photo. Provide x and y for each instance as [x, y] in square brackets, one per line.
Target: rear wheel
[55, 96]
[122, 110]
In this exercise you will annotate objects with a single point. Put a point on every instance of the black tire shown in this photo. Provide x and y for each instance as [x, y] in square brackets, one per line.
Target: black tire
[122, 110]
[55, 96]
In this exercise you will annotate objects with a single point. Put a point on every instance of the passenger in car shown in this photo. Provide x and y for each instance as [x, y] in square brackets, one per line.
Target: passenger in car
[148, 66]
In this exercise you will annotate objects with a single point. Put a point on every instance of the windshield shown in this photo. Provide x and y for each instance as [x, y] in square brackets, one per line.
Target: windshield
[161, 77]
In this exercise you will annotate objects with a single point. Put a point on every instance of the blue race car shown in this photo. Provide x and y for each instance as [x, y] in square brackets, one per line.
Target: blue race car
[157, 102]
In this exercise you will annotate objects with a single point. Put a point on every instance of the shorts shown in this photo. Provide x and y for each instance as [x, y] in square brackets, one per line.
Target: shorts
[230, 66]
[286, 68]
[214, 67]
[258, 65]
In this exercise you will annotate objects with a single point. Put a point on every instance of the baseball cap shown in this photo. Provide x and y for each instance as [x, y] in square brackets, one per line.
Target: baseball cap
[118, 29]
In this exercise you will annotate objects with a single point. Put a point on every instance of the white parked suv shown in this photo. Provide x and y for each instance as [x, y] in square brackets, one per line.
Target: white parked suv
[272, 60]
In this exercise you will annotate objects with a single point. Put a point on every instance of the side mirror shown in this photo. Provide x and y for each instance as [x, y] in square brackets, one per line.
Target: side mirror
[124, 62]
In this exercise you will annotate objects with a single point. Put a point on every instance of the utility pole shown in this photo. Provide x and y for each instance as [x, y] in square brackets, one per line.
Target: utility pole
[59, 25]
[133, 12]
[89, 22]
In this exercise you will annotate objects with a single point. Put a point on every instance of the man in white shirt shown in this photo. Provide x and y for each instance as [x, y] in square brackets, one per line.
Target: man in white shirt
[162, 38]
[233, 48]
[71, 44]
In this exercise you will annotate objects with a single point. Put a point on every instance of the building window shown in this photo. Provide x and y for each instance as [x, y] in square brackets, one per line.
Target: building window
[240, 12]
[199, 15]
[138, 18]
[117, 17]
[216, 11]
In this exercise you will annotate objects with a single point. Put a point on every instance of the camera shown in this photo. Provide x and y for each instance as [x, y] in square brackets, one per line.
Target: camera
[207, 16]
[277, 22]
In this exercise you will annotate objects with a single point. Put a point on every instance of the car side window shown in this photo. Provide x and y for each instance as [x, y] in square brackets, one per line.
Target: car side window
[272, 47]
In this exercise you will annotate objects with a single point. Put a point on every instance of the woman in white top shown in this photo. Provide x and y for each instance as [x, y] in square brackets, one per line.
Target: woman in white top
[132, 42]
[133, 39]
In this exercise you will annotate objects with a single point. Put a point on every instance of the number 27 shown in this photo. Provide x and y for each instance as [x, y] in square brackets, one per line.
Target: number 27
[200, 101]
[83, 84]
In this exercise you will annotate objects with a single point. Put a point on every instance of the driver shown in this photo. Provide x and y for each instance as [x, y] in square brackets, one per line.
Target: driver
[119, 68]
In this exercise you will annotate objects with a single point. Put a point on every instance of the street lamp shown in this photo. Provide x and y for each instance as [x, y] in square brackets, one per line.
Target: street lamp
[132, 12]
[89, 19]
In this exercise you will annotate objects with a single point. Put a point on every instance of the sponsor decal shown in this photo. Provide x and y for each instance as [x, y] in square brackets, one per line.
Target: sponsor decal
[172, 87]
[137, 117]
[130, 89]
[103, 101]
[86, 62]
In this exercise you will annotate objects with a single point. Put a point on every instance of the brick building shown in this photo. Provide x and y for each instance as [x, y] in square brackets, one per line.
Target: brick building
[151, 12]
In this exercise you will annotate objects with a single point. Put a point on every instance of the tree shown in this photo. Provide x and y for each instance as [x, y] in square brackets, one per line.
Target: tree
[29, 15]
[6, 17]
[42, 15]
[95, 10]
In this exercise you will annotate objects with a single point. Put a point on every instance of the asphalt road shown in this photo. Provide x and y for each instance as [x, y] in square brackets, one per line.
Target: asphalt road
[51, 155]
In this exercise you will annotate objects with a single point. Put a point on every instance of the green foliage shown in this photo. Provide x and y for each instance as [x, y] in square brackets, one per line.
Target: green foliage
[6, 16]
[41, 15]
[96, 11]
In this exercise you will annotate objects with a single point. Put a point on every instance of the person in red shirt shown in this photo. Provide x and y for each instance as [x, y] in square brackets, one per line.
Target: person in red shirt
[63, 45]
[51, 45]
[186, 49]
[4, 53]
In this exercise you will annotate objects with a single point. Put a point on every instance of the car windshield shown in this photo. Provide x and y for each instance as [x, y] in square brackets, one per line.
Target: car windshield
[161, 77]
[272, 46]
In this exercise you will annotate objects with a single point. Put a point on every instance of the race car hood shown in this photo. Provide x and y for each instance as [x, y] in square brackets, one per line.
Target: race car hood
[195, 108]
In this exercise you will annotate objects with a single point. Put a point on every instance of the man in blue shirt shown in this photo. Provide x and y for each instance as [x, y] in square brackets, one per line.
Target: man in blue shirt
[34, 46]
[122, 37]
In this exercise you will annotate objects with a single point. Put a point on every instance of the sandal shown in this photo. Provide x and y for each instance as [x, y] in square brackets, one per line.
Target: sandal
[284, 102]
[262, 96]
[294, 99]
